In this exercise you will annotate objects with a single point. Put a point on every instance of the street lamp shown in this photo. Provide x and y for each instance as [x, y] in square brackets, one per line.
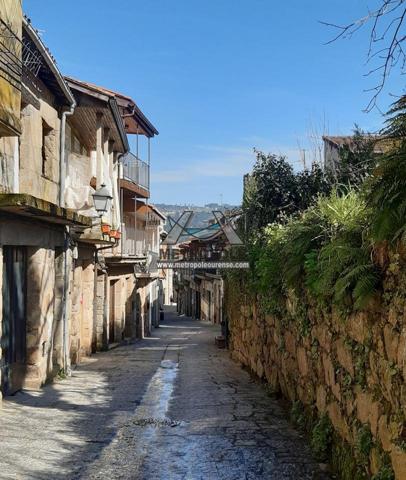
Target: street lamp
[102, 200]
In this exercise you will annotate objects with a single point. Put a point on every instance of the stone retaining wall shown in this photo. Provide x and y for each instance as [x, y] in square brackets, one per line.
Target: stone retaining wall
[351, 368]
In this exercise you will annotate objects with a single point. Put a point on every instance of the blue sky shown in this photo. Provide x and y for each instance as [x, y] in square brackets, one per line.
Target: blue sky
[218, 78]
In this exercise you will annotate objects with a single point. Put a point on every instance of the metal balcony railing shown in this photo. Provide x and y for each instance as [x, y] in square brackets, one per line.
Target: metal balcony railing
[136, 171]
[10, 55]
[17, 54]
[133, 243]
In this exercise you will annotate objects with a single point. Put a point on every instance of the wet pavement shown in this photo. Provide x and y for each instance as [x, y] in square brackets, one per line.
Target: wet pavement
[169, 407]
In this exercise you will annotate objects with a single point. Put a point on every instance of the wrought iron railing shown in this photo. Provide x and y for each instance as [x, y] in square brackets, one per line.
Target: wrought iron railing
[32, 59]
[16, 54]
[10, 55]
[136, 171]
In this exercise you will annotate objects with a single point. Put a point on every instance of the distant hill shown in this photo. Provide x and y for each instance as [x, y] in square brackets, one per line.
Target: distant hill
[202, 215]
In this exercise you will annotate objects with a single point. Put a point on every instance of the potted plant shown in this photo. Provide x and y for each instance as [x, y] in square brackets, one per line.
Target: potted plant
[105, 228]
[115, 233]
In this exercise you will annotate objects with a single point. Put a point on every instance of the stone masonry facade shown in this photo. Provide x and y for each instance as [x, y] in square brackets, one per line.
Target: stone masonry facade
[70, 285]
[351, 368]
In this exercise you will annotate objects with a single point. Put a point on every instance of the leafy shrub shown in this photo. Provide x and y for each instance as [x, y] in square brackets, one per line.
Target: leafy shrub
[387, 196]
[356, 161]
[273, 191]
[303, 235]
[321, 437]
[364, 444]
[298, 415]
[343, 269]
[386, 190]
[385, 473]
[325, 248]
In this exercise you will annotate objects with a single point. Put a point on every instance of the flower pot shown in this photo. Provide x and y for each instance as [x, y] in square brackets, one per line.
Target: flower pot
[115, 234]
[105, 228]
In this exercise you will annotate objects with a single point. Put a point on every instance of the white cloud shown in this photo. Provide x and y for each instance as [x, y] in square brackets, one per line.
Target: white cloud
[219, 161]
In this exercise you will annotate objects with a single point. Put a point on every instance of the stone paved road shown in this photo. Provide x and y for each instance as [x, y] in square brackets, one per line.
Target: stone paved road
[169, 407]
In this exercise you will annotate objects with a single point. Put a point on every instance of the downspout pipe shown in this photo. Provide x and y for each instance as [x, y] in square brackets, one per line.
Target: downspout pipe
[65, 310]
[62, 154]
[120, 199]
[67, 240]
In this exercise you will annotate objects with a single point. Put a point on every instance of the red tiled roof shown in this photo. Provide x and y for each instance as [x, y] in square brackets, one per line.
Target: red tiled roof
[130, 106]
[144, 209]
[97, 88]
[341, 141]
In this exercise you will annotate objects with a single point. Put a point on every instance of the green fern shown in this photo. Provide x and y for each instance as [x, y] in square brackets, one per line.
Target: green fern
[342, 270]
[304, 234]
[386, 190]
[387, 195]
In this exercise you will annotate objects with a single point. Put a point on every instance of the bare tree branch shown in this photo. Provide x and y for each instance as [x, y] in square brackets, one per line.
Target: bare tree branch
[385, 50]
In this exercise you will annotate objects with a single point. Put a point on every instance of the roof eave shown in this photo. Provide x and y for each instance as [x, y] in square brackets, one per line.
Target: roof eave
[122, 100]
[145, 123]
[50, 62]
[120, 124]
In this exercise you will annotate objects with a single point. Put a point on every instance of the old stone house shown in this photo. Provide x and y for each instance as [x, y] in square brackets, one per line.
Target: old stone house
[94, 140]
[60, 141]
[200, 291]
[149, 226]
[167, 252]
[33, 225]
[335, 146]
[135, 288]
[126, 302]
[200, 295]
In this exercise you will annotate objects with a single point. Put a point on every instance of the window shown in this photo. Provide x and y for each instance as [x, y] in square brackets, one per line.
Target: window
[48, 146]
[76, 145]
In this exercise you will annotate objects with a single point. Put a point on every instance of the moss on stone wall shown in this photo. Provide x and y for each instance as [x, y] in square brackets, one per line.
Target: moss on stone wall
[344, 372]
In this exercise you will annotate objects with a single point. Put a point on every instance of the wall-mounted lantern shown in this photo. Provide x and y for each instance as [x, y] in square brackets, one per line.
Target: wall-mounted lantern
[102, 200]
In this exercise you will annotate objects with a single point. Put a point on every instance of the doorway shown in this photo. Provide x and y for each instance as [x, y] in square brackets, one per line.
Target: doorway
[198, 305]
[14, 323]
[112, 308]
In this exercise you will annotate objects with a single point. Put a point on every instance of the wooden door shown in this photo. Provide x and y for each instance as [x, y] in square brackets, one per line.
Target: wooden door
[14, 324]
[112, 311]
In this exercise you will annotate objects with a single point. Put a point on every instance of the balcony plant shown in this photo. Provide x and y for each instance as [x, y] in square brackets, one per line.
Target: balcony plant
[105, 228]
[115, 233]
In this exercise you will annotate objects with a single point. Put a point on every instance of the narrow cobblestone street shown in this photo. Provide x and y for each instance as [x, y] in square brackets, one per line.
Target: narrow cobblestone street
[169, 407]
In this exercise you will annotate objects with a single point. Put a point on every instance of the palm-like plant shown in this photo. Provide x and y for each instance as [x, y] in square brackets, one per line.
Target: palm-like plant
[343, 270]
[387, 186]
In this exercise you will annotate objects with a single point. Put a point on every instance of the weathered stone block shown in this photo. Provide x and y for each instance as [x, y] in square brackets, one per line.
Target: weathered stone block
[368, 411]
[358, 327]
[384, 433]
[374, 461]
[339, 421]
[393, 315]
[399, 463]
[323, 336]
[321, 398]
[336, 389]
[290, 343]
[391, 338]
[329, 373]
[269, 320]
[401, 357]
[302, 361]
[259, 368]
[344, 356]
